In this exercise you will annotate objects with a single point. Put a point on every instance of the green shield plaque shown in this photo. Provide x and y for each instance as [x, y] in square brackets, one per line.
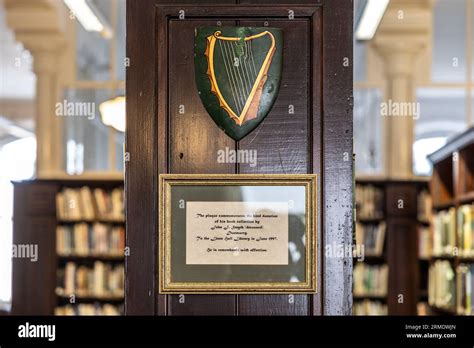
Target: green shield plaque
[238, 72]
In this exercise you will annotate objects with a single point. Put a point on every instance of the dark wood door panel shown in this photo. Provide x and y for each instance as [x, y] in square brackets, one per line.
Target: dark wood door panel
[287, 3]
[194, 138]
[201, 305]
[194, 142]
[160, 139]
[281, 143]
[274, 305]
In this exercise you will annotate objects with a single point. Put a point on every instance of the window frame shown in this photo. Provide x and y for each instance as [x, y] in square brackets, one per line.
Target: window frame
[114, 85]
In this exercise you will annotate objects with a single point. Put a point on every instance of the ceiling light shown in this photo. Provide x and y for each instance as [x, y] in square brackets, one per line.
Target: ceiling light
[89, 17]
[370, 20]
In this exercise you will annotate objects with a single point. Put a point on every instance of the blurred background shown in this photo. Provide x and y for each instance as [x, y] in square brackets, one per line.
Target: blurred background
[62, 119]
[71, 53]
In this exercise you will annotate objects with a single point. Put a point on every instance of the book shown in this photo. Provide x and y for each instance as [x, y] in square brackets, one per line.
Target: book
[369, 202]
[102, 280]
[86, 203]
[74, 204]
[369, 307]
[425, 244]
[69, 278]
[465, 300]
[444, 233]
[465, 230]
[471, 270]
[89, 309]
[86, 239]
[424, 206]
[109, 205]
[371, 237]
[441, 285]
[370, 280]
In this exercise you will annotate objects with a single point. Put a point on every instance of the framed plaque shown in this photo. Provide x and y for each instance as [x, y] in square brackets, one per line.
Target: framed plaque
[237, 233]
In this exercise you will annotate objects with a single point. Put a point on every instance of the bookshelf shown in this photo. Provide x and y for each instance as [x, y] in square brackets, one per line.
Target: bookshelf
[390, 215]
[424, 221]
[79, 229]
[451, 274]
[370, 271]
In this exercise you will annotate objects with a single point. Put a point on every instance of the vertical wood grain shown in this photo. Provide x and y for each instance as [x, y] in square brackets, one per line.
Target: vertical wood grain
[337, 153]
[282, 143]
[141, 170]
[315, 140]
[194, 141]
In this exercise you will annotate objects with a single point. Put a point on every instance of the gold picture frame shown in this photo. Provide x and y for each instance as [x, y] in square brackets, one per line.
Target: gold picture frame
[240, 285]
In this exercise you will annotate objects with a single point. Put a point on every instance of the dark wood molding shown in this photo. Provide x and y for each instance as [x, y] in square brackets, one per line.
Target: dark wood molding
[140, 173]
[337, 171]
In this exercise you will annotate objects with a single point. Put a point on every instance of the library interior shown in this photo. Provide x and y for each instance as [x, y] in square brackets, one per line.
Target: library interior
[92, 112]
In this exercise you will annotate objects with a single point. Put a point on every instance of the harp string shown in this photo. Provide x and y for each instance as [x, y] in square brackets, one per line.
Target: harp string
[241, 65]
[238, 97]
[231, 80]
[246, 68]
[253, 61]
[234, 73]
[238, 69]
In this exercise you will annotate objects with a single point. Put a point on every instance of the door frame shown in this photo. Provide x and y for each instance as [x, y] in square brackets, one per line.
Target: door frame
[147, 143]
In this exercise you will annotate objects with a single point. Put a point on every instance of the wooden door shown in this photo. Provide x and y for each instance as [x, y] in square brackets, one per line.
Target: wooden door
[309, 130]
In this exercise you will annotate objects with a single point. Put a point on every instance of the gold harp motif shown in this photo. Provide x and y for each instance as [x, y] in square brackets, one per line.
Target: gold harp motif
[250, 109]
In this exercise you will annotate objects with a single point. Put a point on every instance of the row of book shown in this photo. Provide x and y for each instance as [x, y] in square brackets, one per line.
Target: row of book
[441, 285]
[370, 280]
[369, 307]
[85, 239]
[466, 230]
[451, 288]
[369, 202]
[371, 237]
[465, 284]
[444, 232]
[89, 309]
[84, 203]
[101, 280]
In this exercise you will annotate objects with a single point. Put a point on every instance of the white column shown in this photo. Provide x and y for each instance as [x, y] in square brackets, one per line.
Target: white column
[39, 25]
[46, 50]
[400, 40]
